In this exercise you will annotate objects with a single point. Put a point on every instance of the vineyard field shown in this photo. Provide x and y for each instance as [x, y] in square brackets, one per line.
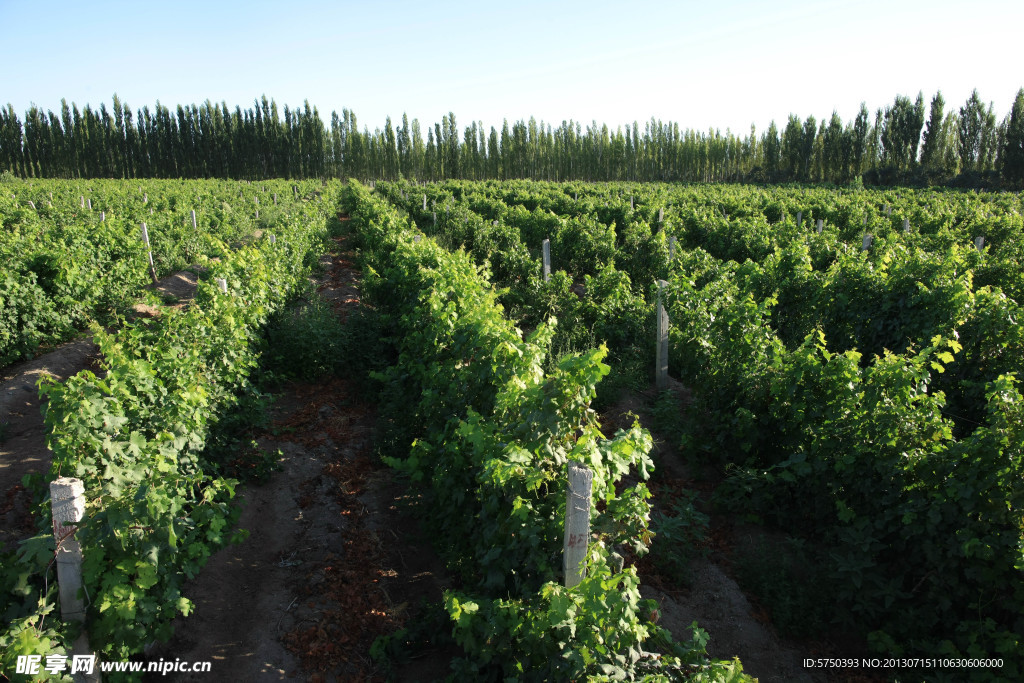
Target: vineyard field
[844, 372]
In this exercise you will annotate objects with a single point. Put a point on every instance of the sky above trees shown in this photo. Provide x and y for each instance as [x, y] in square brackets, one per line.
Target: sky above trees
[720, 65]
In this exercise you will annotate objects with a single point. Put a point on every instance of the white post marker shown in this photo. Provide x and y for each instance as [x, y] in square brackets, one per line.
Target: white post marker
[149, 252]
[103, 216]
[424, 202]
[799, 219]
[866, 243]
[631, 202]
[546, 251]
[257, 214]
[820, 225]
[577, 523]
[661, 217]
[906, 225]
[145, 198]
[32, 204]
[273, 238]
[193, 219]
[979, 243]
[89, 203]
[661, 351]
[275, 199]
[81, 201]
[223, 284]
[67, 505]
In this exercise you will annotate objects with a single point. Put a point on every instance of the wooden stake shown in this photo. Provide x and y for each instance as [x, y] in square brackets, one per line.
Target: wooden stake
[546, 250]
[577, 523]
[661, 351]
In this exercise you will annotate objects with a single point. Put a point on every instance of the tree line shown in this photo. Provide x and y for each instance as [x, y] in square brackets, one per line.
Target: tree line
[898, 145]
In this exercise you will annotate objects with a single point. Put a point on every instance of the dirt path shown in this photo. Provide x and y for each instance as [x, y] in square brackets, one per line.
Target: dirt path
[333, 559]
[713, 599]
[22, 431]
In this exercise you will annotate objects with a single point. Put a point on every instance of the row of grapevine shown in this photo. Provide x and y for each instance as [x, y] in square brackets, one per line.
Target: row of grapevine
[72, 250]
[493, 436]
[135, 433]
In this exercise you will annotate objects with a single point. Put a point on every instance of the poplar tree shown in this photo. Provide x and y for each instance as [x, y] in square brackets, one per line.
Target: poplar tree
[1011, 157]
[970, 130]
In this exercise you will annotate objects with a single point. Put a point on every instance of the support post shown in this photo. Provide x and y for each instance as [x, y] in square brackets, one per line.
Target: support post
[67, 505]
[149, 252]
[867, 242]
[661, 352]
[193, 219]
[577, 523]
[223, 284]
[979, 243]
[671, 248]
[906, 225]
[799, 219]
[820, 225]
[546, 249]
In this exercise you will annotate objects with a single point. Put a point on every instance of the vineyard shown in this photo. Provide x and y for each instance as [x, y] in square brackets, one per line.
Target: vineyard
[842, 372]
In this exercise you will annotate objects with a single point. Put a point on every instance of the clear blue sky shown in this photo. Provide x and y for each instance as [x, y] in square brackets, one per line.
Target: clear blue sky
[724, 64]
